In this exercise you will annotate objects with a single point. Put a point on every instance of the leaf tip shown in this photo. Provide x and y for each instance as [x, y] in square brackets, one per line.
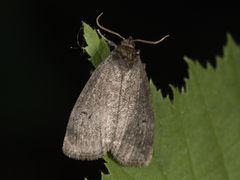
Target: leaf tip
[229, 37]
[187, 60]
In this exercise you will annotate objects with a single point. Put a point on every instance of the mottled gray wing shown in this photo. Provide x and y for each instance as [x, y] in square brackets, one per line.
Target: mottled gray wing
[133, 141]
[91, 128]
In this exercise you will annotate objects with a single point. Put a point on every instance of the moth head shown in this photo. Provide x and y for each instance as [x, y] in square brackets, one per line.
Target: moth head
[128, 42]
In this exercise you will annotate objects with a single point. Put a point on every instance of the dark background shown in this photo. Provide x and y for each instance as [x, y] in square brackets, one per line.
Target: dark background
[41, 77]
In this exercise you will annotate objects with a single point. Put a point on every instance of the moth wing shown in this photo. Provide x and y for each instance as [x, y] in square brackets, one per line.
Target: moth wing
[133, 142]
[90, 129]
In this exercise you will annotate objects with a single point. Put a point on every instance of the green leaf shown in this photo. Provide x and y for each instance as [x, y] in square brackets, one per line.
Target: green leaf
[200, 132]
[97, 48]
[198, 135]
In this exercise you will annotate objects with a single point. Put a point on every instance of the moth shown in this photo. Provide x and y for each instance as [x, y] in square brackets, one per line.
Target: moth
[114, 111]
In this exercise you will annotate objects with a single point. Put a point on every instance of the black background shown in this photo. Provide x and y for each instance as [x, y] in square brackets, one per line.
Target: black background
[41, 77]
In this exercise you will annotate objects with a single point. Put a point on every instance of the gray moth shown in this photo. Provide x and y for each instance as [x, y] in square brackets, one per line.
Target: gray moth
[114, 111]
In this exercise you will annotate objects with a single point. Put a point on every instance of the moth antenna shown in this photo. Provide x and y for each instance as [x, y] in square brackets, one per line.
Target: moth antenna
[105, 29]
[78, 43]
[150, 42]
[108, 41]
